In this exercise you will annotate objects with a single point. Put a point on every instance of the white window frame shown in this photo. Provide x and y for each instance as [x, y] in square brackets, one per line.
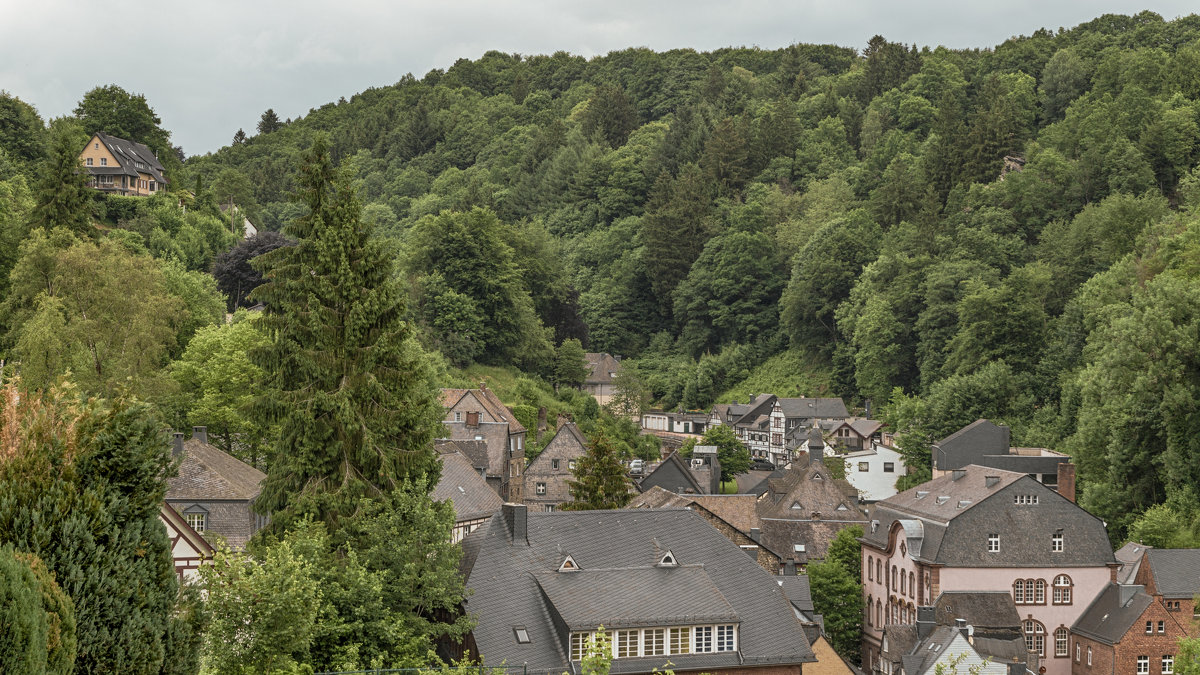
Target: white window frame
[1168, 664]
[993, 543]
[1056, 542]
[1143, 665]
[539, 489]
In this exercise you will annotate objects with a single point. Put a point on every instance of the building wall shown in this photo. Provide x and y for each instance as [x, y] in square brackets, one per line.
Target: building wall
[765, 558]
[97, 151]
[1122, 657]
[874, 484]
[1102, 658]
[828, 662]
[234, 521]
[564, 448]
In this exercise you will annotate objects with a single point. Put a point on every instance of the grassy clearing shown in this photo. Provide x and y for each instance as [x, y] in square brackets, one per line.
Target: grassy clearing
[788, 374]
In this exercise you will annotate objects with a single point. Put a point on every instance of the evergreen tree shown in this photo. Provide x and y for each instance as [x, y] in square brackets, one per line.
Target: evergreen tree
[269, 122]
[80, 488]
[345, 381]
[239, 138]
[25, 627]
[570, 364]
[600, 479]
[837, 592]
[61, 190]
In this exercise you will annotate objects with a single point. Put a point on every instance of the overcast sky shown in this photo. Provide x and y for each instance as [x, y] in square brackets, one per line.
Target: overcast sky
[210, 67]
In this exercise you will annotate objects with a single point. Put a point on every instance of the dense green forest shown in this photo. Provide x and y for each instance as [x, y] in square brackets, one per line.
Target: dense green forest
[949, 234]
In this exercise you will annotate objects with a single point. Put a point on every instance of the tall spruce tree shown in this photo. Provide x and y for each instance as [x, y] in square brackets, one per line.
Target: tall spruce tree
[600, 479]
[345, 382]
[61, 190]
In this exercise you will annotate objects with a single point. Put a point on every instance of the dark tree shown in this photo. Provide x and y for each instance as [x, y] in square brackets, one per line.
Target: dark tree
[610, 115]
[63, 196]
[112, 110]
[269, 122]
[239, 138]
[345, 381]
[600, 479]
[236, 277]
[21, 130]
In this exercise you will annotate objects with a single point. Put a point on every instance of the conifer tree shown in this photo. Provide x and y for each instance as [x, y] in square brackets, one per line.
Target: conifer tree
[63, 197]
[600, 479]
[356, 410]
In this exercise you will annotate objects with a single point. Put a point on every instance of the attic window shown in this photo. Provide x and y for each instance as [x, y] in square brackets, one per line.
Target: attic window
[817, 476]
[798, 548]
[963, 503]
[522, 635]
[668, 560]
[942, 499]
[796, 506]
[842, 507]
[568, 565]
[922, 494]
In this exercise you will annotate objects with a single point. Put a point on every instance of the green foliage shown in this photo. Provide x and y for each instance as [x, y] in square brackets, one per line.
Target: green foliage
[22, 132]
[731, 453]
[570, 364]
[26, 628]
[62, 193]
[343, 378]
[81, 485]
[837, 595]
[600, 479]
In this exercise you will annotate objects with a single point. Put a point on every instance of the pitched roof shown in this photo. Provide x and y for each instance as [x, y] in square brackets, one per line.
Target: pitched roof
[815, 408]
[469, 492]
[128, 153]
[513, 584]
[1176, 571]
[803, 491]
[1112, 613]
[737, 510]
[208, 473]
[173, 521]
[601, 366]
[991, 612]
[1130, 557]
[474, 451]
[796, 589]
[490, 402]
[671, 471]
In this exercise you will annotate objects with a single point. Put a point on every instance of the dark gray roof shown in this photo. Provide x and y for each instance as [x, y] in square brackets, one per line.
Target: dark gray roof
[601, 364]
[475, 451]
[1130, 557]
[506, 583]
[618, 598]
[1112, 613]
[469, 492]
[992, 613]
[1176, 571]
[796, 589]
[814, 408]
[671, 474]
[208, 473]
[948, 521]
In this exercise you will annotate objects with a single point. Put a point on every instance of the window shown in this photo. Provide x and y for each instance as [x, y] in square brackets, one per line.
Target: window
[870, 568]
[1062, 590]
[1060, 641]
[1168, 664]
[725, 640]
[1162, 626]
[902, 584]
[522, 634]
[540, 489]
[1019, 592]
[571, 465]
[1025, 499]
[103, 161]
[1040, 588]
[993, 543]
[889, 467]
[1143, 665]
[198, 521]
[870, 604]
[457, 416]
[654, 642]
[879, 571]
[1056, 542]
[152, 188]
[89, 161]
[1076, 652]
[704, 639]
[864, 467]
[1035, 637]
[680, 640]
[893, 577]
[554, 464]
[1149, 627]
[105, 180]
[1089, 656]
[579, 643]
[627, 643]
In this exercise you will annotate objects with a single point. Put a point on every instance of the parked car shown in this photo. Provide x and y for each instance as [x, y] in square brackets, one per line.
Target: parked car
[761, 464]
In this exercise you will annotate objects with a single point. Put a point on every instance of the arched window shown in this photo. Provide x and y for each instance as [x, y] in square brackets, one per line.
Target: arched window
[1019, 592]
[878, 613]
[879, 570]
[870, 605]
[902, 583]
[928, 590]
[1061, 635]
[1040, 586]
[1062, 589]
[870, 568]
[893, 577]
[1035, 637]
[912, 584]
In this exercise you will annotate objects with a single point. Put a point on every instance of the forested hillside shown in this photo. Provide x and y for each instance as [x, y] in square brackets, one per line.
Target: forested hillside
[950, 234]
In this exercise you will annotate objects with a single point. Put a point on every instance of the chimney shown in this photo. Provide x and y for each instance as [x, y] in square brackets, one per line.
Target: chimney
[177, 444]
[516, 520]
[1066, 480]
[200, 434]
[756, 535]
[991, 480]
[925, 622]
[959, 473]
[789, 568]
[961, 626]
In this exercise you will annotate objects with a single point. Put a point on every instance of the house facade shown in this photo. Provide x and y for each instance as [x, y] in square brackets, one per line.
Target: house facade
[874, 471]
[189, 550]
[547, 476]
[478, 414]
[983, 529]
[1127, 630]
[122, 167]
[214, 492]
[602, 370]
[665, 585]
[466, 488]
[804, 510]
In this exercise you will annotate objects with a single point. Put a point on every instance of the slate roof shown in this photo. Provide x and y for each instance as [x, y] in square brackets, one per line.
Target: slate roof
[1130, 557]
[798, 592]
[469, 492]
[474, 451]
[207, 473]
[601, 364]
[672, 472]
[737, 510]
[128, 152]
[754, 482]
[514, 584]
[992, 613]
[490, 402]
[814, 408]
[1112, 613]
[1176, 571]
[947, 521]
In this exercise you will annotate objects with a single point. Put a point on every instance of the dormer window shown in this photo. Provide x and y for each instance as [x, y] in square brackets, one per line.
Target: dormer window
[942, 500]
[568, 565]
[668, 560]
[522, 635]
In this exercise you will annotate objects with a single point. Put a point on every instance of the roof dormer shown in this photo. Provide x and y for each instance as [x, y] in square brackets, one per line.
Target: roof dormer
[668, 560]
[569, 565]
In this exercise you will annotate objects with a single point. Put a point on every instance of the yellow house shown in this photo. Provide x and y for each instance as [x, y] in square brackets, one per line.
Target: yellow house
[122, 167]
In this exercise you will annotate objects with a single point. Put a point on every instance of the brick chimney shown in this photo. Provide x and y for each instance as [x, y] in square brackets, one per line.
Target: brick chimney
[1066, 480]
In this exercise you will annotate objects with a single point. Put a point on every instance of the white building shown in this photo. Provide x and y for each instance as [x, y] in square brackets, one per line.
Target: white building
[873, 472]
